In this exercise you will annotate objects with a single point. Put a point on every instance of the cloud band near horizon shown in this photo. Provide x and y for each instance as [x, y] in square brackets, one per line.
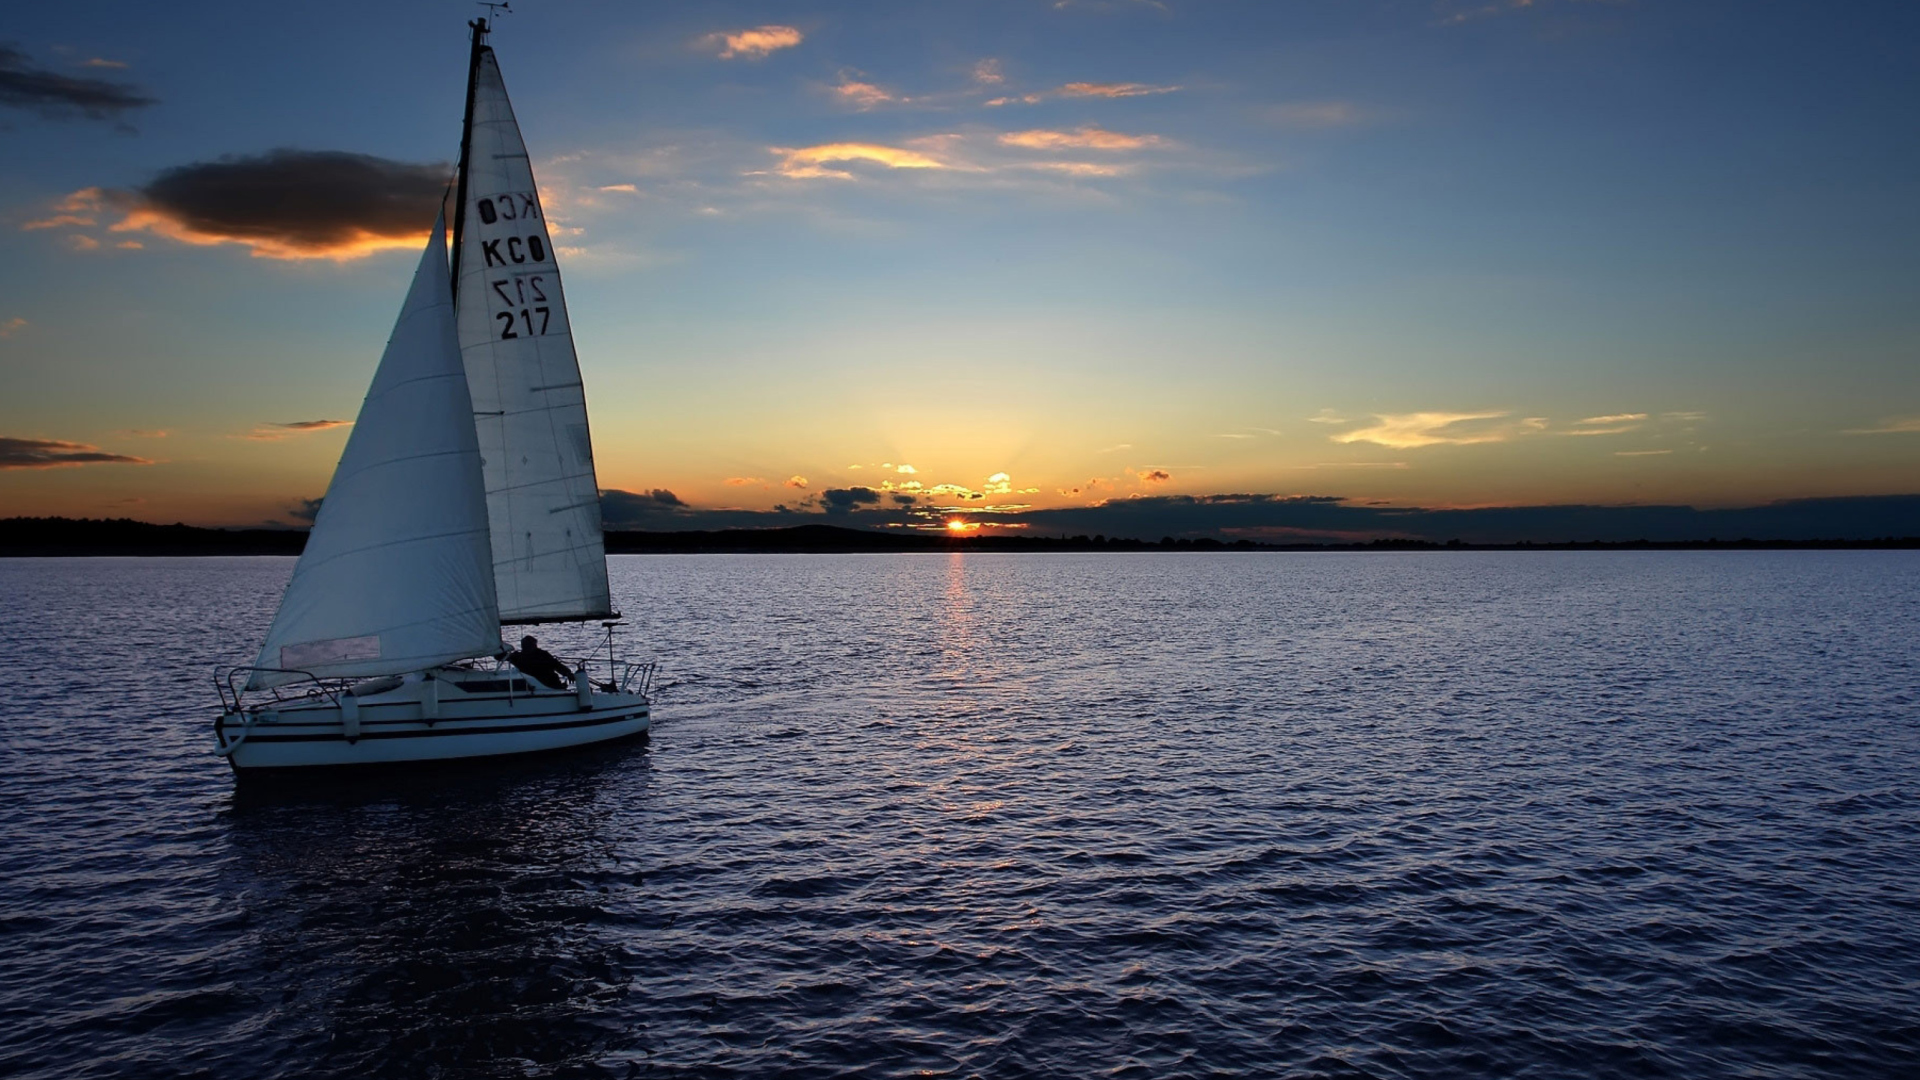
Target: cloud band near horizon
[1308, 519]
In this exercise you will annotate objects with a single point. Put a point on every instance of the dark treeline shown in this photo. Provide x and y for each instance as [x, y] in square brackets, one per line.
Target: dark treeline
[123, 536]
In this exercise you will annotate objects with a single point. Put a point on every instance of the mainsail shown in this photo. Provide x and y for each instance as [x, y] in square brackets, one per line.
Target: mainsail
[397, 574]
[530, 408]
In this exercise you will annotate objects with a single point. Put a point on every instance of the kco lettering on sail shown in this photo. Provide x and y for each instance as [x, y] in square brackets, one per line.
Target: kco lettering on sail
[523, 308]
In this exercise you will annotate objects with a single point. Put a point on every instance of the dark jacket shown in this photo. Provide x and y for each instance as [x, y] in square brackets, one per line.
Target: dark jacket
[542, 666]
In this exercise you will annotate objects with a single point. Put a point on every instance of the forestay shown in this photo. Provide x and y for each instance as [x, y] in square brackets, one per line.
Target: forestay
[397, 574]
[530, 406]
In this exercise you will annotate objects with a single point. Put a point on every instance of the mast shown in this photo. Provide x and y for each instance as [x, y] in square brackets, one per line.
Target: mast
[466, 146]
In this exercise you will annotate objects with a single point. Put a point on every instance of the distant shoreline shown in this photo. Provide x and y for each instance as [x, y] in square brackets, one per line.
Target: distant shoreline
[69, 537]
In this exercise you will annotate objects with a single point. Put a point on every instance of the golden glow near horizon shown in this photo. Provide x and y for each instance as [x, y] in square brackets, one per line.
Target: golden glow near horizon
[1053, 258]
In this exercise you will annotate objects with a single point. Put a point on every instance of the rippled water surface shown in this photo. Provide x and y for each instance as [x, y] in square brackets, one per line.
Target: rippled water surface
[1496, 814]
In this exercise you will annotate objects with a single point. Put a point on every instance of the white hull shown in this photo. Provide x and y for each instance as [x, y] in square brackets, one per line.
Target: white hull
[416, 722]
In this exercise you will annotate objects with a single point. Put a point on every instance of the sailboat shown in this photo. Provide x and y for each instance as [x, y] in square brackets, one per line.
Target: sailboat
[465, 502]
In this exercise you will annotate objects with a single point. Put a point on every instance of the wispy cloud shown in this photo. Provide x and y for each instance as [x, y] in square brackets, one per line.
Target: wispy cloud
[1084, 90]
[1086, 138]
[12, 326]
[1353, 465]
[1406, 431]
[58, 453]
[56, 96]
[862, 95]
[60, 221]
[987, 73]
[743, 481]
[810, 162]
[1484, 11]
[79, 209]
[1328, 416]
[753, 44]
[275, 432]
[1318, 114]
[1614, 424]
[1112, 90]
[1895, 425]
[1078, 168]
[1640, 453]
[103, 62]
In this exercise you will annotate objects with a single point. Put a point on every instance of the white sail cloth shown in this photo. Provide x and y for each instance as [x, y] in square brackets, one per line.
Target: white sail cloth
[530, 407]
[398, 571]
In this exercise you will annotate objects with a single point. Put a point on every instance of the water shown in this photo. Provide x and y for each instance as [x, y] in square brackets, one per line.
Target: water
[1496, 814]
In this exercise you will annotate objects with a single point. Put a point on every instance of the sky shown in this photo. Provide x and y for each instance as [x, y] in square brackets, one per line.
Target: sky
[1010, 264]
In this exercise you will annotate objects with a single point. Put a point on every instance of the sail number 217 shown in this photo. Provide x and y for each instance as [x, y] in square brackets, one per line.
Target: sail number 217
[526, 293]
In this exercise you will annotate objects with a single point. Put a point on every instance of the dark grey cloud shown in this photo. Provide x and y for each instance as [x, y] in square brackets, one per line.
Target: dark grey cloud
[650, 510]
[311, 202]
[305, 511]
[54, 453]
[843, 500]
[51, 94]
[1321, 519]
[1285, 519]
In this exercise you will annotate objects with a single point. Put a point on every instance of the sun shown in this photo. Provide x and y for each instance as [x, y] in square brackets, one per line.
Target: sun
[959, 525]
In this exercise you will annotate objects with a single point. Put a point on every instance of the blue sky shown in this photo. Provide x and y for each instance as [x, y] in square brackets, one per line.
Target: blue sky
[1426, 253]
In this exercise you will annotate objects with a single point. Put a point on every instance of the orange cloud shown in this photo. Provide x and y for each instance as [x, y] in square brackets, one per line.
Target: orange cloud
[742, 481]
[755, 43]
[1156, 476]
[11, 326]
[796, 481]
[352, 243]
[57, 453]
[808, 162]
[1087, 138]
[1895, 425]
[58, 221]
[1085, 90]
[1079, 168]
[276, 432]
[861, 95]
[987, 72]
[1112, 90]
